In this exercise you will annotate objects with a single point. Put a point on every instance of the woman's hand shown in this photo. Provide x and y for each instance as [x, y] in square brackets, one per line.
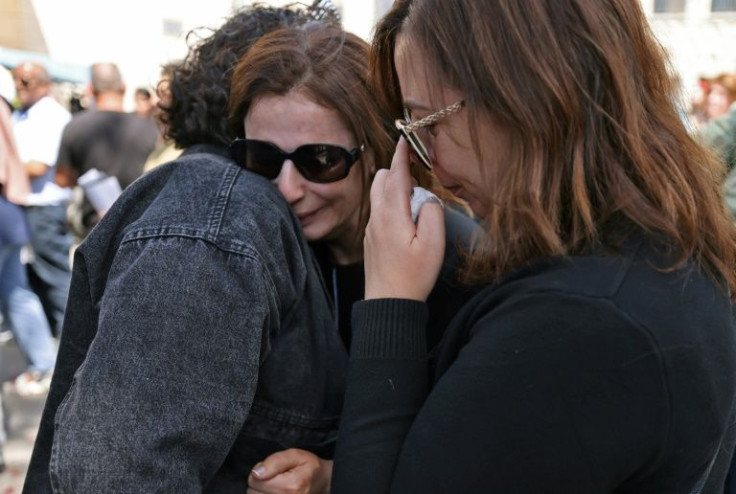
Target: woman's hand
[402, 259]
[292, 471]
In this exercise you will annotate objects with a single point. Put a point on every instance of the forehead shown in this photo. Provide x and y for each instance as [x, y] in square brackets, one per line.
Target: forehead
[294, 119]
[27, 70]
[421, 88]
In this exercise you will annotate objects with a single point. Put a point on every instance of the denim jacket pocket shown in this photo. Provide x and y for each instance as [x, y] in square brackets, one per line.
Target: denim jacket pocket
[293, 429]
[268, 429]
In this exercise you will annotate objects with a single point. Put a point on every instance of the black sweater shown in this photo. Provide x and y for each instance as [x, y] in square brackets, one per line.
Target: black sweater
[589, 374]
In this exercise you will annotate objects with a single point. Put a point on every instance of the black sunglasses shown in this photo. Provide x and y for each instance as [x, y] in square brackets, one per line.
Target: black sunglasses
[321, 163]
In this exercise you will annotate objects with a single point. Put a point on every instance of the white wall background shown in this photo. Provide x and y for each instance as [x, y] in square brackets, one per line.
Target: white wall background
[132, 33]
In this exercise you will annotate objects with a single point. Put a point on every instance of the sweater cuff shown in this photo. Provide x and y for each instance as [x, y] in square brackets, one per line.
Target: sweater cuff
[389, 328]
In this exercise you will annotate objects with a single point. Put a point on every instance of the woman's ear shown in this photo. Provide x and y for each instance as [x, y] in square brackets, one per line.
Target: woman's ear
[369, 164]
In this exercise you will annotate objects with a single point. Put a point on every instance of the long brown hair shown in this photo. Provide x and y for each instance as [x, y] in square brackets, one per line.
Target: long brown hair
[328, 65]
[583, 92]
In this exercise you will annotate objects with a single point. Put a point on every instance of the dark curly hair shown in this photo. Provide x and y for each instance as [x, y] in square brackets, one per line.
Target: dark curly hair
[199, 86]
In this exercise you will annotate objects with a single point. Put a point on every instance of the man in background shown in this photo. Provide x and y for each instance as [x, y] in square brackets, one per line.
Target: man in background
[37, 127]
[105, 138]
[145, 103]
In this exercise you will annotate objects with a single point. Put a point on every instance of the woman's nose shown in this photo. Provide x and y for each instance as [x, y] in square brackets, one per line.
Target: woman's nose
[290, 182]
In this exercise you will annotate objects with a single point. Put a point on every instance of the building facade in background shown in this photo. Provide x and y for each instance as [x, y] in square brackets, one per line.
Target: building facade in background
[141, 35]
[698, 35]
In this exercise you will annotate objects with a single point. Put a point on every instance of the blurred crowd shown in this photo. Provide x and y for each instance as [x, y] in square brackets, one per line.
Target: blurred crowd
[713, 116]
[62, 163]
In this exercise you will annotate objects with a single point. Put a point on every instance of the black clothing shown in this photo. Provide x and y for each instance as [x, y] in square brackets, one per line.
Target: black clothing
[116, 143]
[447, 297]
[589, 374]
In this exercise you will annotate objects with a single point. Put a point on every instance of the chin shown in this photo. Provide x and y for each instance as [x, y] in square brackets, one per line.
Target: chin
[313, 234]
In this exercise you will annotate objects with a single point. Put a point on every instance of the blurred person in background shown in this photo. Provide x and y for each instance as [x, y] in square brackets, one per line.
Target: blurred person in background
[145, 102]
[721, 96]
[600, 354]
[37, 127]
[20, 306]
[165, 149]
[194, 296]
[697, 114]
[105, 138]
[720, 136]
[720, 133]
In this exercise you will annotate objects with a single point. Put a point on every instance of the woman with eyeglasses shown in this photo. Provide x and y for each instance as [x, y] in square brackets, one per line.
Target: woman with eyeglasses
[309, 123]
[600, 356]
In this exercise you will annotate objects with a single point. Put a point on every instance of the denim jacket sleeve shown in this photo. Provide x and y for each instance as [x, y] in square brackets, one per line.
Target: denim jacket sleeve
[169, 379]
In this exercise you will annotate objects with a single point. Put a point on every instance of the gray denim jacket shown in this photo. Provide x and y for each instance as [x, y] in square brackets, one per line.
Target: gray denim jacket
[198, 339]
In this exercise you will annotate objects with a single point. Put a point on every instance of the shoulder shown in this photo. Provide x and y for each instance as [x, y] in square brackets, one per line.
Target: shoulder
[80, 122]
[721, 129]
[51, 108]
[199, 199]
[143, 125]
[206, 196]
[630, 301]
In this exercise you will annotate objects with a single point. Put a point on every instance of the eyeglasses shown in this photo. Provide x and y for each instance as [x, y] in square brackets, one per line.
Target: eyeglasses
[408, 130]
[321, 163]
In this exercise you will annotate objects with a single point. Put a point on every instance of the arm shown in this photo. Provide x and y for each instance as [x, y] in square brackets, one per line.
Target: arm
[388, 376]
[36, 168]
[388, 382]
[170, 376]
[535, 401]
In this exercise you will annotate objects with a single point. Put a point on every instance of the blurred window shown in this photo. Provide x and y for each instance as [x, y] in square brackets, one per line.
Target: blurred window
[723, 6]
[173, 28]
[669, 6]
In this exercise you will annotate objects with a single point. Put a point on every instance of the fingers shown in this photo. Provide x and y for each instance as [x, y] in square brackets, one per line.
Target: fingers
[391, 192]
[431, 226]
[280, 462]
[297, 472]
[378, 186]
[399, 179]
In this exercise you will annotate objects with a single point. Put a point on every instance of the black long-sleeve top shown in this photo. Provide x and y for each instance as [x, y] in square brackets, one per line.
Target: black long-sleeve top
[590, 374]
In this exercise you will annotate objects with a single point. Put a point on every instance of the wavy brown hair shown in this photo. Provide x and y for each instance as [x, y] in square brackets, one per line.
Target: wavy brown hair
[198, 86]
[328, 65]
[582, 91]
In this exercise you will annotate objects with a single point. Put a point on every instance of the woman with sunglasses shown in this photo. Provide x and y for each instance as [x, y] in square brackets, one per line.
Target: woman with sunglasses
[600, 356]
[311, 125]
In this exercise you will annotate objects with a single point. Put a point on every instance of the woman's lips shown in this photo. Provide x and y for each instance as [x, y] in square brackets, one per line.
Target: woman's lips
[306, 218]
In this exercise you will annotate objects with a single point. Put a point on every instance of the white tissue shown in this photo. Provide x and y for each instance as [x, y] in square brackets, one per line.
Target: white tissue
[419, 196]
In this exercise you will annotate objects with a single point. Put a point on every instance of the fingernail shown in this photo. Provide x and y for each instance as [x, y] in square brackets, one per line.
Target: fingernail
[258, 470]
